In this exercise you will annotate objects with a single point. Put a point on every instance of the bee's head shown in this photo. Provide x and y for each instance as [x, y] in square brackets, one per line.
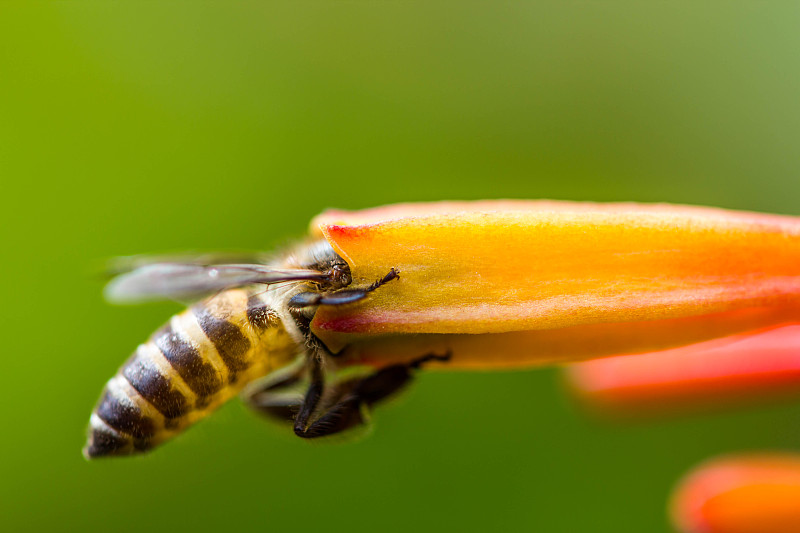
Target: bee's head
[321, 257]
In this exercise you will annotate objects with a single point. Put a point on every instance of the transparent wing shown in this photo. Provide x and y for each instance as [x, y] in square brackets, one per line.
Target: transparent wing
[128, 263]
[190, 281]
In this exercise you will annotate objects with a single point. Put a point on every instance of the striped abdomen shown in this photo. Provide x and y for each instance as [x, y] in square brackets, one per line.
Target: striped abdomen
[199, 360]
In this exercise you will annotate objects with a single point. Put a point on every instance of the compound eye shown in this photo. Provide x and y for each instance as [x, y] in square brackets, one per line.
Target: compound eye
[340, 275]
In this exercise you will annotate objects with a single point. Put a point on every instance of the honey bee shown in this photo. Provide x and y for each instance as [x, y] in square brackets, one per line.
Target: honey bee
[257, 321]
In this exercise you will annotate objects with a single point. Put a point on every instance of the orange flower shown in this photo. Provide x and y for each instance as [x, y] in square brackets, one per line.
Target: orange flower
[746, 494]
[523, 283]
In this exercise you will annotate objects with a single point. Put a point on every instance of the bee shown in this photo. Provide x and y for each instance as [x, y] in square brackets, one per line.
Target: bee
[374, 295]
[256, 322]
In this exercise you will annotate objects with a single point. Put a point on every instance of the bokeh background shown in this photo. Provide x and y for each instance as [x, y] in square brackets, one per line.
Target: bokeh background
[130, 127]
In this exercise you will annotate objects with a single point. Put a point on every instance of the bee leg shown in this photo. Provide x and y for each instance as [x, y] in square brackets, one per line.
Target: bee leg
[277, 396]
[358, 395]
[392, 274]
[346, 296]
[313, 395]
[279, 407]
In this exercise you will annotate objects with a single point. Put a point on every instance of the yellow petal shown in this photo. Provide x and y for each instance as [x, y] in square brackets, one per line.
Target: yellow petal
[556, 270]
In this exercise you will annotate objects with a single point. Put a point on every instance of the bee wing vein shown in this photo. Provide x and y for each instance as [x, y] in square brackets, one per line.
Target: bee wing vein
[183, 281]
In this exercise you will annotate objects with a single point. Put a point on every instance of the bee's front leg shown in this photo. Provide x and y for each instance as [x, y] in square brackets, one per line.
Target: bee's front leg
[346, 296]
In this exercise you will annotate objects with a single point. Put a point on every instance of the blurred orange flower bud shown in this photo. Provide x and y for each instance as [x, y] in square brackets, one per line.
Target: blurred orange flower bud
[732, 370]
[740, 494]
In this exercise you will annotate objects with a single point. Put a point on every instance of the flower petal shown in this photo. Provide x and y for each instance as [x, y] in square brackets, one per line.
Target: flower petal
[513, 266]
[523, 349]
[735, 369]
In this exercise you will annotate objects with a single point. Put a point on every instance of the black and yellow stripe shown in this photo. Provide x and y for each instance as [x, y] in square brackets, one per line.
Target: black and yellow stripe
[199, 360]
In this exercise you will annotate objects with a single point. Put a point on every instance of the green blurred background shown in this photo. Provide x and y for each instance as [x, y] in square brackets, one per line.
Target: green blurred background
[167, 125]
